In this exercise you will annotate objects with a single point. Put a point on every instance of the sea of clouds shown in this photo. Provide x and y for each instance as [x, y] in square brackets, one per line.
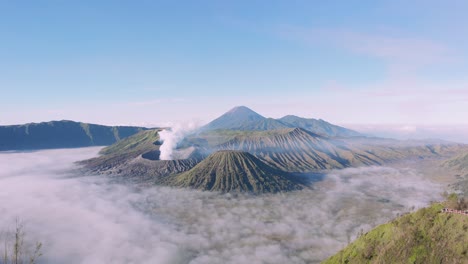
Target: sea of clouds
[87, 219]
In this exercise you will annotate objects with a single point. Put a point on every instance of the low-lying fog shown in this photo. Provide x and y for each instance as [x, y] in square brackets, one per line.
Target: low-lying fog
[90, 220]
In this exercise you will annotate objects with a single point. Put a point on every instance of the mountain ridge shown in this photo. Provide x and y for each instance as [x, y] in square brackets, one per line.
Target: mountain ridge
[242, 118]
[61, 134]
[290, 150]
[319, 126]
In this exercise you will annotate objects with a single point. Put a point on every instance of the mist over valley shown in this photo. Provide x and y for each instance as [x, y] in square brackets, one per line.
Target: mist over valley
[92, 219]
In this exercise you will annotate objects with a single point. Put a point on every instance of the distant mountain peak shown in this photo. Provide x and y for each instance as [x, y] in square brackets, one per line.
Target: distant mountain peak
[243, 118]
[290, 116]
[240, 108]
[244, 111]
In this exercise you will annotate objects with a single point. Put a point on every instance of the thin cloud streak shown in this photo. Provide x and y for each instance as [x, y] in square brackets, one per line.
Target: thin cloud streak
[393, 49]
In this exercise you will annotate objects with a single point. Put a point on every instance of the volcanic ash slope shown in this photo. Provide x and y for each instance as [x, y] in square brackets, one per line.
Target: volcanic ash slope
[235, 171]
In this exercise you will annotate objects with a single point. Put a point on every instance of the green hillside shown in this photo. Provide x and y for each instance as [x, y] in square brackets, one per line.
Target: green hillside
[460, 165]
[117, 155]
[61, 134]
[141, 142]
[425, 236]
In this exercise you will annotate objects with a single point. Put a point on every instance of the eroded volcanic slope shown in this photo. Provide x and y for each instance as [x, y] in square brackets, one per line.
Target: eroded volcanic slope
[289, 150]
[284, 150]
[235, 171]
[299, 150]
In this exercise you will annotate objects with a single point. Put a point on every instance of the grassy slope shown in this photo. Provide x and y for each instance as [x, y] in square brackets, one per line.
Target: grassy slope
[425, 236]
[460, 165]
[124, 150]
[141, 142]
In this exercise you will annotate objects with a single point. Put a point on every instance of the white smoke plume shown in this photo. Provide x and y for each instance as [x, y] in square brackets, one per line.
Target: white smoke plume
[171, 137]
[88, 219]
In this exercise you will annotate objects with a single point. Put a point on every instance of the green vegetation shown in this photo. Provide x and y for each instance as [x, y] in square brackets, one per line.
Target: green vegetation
[425, 236]
[116, 156]
[235, 171]
[455, 202]
[459, 164]
[140, 143]
[17, 250]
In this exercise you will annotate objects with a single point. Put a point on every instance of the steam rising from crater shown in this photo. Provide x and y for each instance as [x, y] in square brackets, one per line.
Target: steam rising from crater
[171, 137]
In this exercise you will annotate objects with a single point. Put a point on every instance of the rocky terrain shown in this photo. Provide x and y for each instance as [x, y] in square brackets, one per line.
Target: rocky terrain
[235, 171]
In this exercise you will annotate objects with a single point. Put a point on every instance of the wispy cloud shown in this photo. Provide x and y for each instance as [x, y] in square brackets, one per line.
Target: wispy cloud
[411, 51]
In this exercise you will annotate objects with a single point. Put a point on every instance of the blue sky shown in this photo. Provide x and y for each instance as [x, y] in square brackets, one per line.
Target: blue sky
[152, 62]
